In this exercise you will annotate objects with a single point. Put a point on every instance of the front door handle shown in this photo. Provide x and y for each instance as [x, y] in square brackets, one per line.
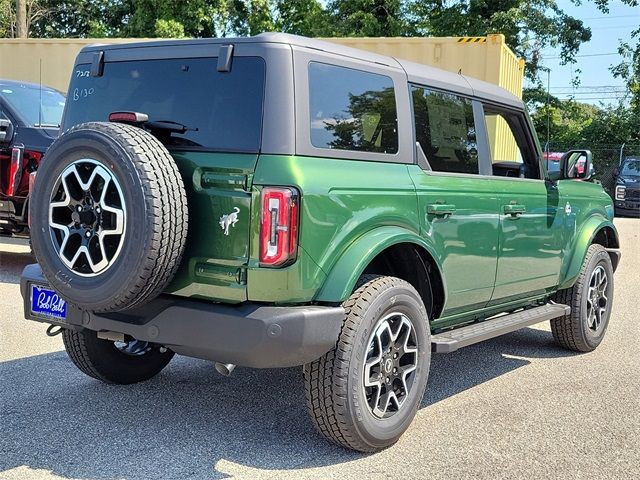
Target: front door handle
[514, 209]
[440, 209]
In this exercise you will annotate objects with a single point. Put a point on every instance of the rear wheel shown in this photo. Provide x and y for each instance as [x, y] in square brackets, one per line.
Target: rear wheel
[114, 362]
[591, 299]
[365, 392]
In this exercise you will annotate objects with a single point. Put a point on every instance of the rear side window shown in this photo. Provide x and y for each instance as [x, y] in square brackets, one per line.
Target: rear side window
[222, 110]
[445, 131]
[352, 109]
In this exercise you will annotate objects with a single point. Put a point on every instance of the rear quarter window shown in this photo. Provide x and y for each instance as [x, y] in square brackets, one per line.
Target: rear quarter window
[352, 109]
[223, 110]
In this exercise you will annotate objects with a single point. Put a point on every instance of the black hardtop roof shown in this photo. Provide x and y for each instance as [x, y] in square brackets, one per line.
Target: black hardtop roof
[417, 73]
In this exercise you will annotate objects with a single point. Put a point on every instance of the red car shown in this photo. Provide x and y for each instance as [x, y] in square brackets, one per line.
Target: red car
[30, 117]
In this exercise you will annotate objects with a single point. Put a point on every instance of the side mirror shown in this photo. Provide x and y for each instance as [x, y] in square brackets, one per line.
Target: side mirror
[577, 164]
[6, 131]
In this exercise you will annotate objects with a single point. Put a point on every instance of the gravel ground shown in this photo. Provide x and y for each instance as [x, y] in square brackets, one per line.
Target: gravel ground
[512, 407]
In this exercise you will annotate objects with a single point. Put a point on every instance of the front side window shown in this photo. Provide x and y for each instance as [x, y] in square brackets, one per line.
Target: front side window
[445, 131]
[511, 153]
[221, 111]
[352, 109]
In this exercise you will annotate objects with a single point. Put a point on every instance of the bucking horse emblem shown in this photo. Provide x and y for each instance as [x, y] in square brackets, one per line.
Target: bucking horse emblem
[229, 220]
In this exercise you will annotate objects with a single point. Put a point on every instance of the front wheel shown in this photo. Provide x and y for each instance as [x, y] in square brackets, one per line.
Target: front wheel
[114, 362]
[365, 392]
[591, 299]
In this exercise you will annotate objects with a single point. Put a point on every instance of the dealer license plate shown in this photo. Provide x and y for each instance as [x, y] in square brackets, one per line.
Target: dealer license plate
[45, 302]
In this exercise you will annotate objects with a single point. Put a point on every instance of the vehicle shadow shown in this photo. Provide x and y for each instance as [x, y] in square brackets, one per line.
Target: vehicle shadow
[191, 422]
[11, 265]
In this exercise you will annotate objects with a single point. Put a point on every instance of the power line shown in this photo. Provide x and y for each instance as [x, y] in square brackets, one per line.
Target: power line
[610, 17]
[592, 92]
[588, 86]
[585, 55]
[600, 98]
[609, 27]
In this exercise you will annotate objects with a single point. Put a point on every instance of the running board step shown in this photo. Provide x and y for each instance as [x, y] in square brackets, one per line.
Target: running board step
[452, 340]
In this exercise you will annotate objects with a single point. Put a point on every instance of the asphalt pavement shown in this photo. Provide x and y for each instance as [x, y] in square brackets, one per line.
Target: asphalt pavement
[513, 407]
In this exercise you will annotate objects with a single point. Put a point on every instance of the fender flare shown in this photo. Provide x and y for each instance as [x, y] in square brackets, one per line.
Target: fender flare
[348, 268]
[584, 239]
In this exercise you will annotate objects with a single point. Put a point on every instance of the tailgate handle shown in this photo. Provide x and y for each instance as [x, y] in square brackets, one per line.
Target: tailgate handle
[440, 209]
[514, 209]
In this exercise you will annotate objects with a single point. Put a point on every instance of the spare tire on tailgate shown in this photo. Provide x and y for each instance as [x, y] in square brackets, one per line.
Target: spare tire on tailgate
[108, 216]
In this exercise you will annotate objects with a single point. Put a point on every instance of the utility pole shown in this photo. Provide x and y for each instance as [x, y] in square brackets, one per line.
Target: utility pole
[21, 19]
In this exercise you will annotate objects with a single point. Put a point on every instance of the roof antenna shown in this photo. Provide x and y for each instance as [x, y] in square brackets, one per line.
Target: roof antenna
[40, 107]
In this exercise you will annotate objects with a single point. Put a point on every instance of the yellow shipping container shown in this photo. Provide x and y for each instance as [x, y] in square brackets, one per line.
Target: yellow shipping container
[486, 58]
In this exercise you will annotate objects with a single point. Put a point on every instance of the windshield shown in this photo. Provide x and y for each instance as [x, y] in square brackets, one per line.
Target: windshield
[40, 107]
[631, 168]
[221, 111]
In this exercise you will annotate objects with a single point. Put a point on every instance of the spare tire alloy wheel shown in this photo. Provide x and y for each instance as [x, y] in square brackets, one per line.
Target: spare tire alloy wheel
[87, 217]
[109, 216]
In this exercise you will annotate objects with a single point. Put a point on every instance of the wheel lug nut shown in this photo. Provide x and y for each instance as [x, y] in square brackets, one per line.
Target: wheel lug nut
[395, 355]
[88, 234]
[395, 370]
[388, 379]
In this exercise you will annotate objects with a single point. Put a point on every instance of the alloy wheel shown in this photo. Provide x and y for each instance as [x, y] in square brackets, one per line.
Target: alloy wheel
[390, 364]
[597, 299]
[87, 217]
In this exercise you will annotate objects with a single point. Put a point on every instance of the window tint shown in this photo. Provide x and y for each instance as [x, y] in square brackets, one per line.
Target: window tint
[445, 131]
[40, 107]
[511, 153]
[352, 110]
[222, 110]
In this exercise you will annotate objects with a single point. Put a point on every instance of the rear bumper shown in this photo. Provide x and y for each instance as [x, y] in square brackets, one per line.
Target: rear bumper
[250, 335]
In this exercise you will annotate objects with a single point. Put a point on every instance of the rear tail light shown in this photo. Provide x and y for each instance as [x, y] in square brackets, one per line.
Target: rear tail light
[279, 226]
[15, 170]
[32, 182]
[620, 191]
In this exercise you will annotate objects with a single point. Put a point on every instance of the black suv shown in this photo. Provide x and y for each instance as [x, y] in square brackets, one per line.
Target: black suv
[30, 116]
[627, 194]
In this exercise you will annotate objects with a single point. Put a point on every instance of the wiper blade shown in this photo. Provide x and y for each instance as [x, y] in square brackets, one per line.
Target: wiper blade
[168, 126]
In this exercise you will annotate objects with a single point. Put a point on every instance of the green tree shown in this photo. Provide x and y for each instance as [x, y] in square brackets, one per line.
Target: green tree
[369, 18]
[168, 29]
[81, 18]
[567, 120]
[302, 17]
[7, 19]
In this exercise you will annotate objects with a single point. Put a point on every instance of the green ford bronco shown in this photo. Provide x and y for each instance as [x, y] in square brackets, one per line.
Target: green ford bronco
[277, 201]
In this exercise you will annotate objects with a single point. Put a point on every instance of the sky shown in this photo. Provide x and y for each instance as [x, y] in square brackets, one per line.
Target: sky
[596, 56]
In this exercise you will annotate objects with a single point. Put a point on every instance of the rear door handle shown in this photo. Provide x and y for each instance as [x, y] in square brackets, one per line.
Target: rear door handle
[440, 209]
[514, 209]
